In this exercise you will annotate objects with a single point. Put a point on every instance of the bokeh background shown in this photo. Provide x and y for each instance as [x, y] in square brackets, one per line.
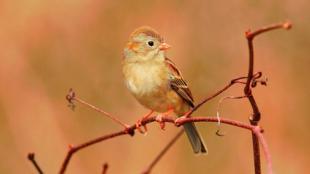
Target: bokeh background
[50, 46]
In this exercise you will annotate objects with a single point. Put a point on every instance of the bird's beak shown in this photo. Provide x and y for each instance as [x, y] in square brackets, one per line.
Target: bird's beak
[164, 46]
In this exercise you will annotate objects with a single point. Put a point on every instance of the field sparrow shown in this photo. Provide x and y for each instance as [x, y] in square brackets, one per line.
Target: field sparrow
[155, 81]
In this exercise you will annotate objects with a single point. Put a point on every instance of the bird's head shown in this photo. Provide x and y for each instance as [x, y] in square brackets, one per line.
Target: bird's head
[145, 44]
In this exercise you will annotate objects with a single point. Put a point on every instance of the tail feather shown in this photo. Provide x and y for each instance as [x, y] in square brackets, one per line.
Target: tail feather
[194, 138]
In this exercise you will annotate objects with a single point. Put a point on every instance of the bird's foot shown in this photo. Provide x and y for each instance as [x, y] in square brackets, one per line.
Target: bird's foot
[179, 120]
[159, 119]
[139, 123]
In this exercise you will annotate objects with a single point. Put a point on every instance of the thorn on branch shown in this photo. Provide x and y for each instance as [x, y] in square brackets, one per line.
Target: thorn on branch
[31, 158]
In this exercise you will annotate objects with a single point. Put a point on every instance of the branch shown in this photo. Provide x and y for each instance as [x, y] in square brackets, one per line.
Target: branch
[247, 89]
[74, 149]
[232, 82]
[105, 168]
[162, 153]
[31, 158]
[71, 97]
[166, 119]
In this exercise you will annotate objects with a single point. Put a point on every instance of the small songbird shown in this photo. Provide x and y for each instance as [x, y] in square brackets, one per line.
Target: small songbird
[156, 82]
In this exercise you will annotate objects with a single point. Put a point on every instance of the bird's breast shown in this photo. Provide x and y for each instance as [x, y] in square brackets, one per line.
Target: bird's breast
[146, 78]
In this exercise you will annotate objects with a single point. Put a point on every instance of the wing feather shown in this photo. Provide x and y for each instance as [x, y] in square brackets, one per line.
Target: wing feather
[178, 84]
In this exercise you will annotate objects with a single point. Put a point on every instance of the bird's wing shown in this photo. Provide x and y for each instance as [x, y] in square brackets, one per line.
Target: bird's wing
[178, 84]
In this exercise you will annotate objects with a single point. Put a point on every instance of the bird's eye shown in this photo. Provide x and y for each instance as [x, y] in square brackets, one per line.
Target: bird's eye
[150, 43]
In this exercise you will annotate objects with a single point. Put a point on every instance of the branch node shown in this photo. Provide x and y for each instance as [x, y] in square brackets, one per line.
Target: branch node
[254, 119]
[261, 130]
[70, 97]
[248, 33]
[31, 158]
[130, 131]
[70, 146]
[287, 25]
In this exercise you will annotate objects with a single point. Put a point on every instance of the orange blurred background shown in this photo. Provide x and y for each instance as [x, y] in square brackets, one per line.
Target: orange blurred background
[50, 46]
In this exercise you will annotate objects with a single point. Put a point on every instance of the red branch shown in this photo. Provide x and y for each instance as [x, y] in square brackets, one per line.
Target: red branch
[250, 35]
[165, 119]
[31, 158]
[162, 153]
[105, 168]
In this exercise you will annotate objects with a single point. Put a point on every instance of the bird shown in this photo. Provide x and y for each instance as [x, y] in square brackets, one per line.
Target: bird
[155, 81]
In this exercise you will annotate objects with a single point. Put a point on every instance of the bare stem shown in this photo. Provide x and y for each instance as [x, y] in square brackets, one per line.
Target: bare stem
[163, 152]
[248, 91]
[71, 96]
[232, 82]
[73, 149]
[31, 158]
[105, 168]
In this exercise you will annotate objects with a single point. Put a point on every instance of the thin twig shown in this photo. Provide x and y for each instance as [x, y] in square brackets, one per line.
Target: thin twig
[163, 152]
[258, 132]
[247, 89]
[31, 157]
[105, 168]
[74, 149]
[167, 119]
[232, 82]
[71, 96]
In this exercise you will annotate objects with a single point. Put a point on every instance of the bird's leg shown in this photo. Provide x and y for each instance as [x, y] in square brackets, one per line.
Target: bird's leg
[159, 118]
[139, 122]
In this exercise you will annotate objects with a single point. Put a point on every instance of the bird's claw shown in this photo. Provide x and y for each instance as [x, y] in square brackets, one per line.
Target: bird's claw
[178, 121]
[138, 126]
[159, 119]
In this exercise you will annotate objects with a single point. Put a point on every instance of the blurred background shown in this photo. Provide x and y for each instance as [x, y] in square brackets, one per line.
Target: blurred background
[50, 46]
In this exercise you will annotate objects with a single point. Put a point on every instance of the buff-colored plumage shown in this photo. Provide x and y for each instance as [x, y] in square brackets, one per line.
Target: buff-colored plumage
[155, 81]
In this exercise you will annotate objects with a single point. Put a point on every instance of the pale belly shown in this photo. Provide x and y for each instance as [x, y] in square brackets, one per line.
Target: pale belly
[150, 86]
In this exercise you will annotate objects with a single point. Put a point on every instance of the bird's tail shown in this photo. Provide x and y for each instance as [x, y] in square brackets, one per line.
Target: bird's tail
[195, 139]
